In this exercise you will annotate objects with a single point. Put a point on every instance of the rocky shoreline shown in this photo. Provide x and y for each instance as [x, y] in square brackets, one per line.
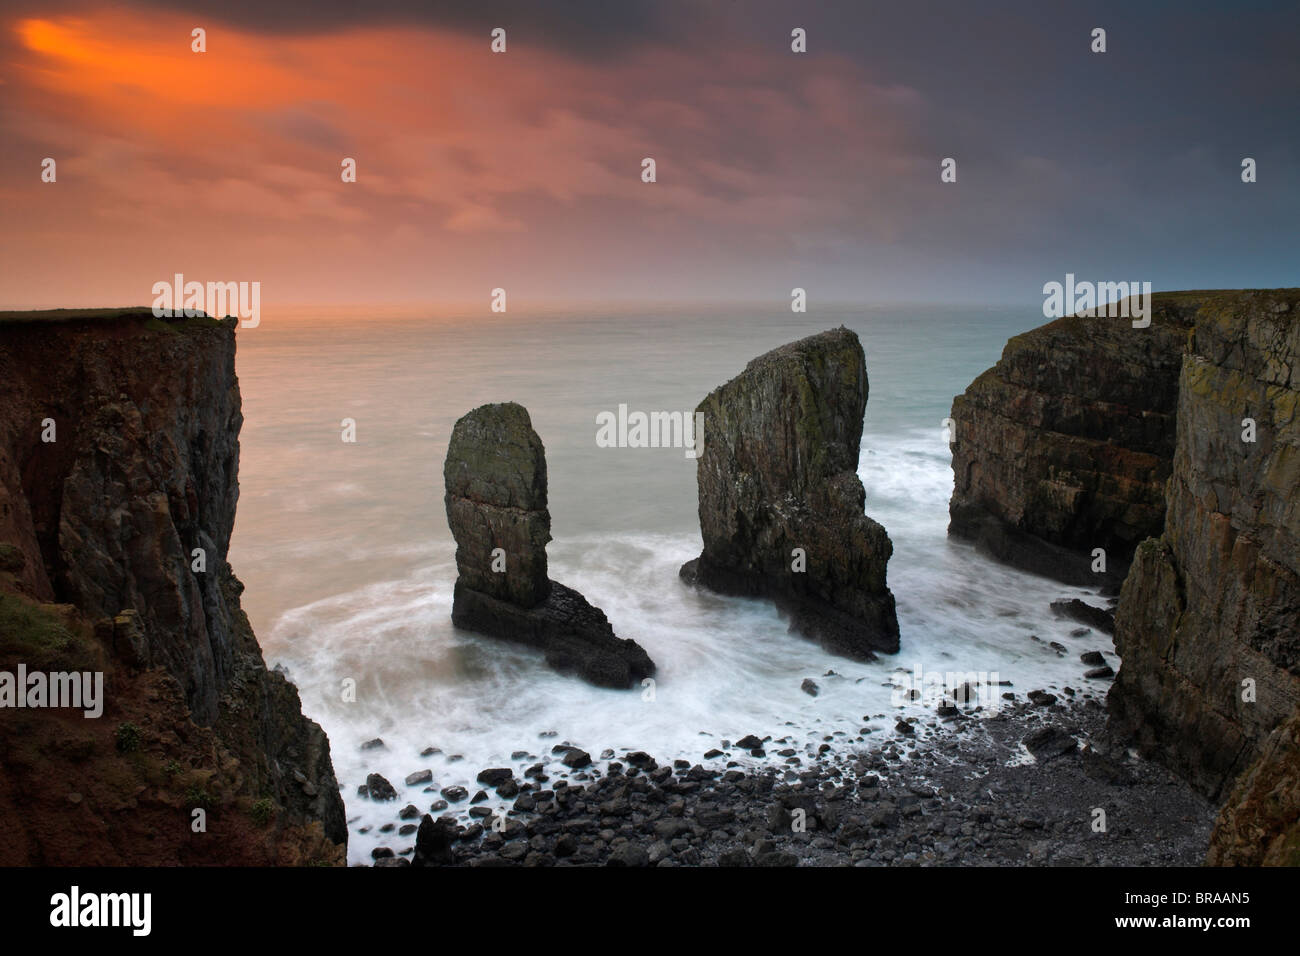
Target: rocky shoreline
[1022, 786]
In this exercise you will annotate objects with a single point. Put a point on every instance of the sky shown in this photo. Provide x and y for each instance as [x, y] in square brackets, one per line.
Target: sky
[522, 170]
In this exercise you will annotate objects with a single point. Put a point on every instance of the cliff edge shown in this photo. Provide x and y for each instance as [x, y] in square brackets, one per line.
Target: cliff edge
[119, 455]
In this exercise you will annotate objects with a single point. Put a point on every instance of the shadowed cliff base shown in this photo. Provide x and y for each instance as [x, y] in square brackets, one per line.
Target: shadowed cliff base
[780, 502]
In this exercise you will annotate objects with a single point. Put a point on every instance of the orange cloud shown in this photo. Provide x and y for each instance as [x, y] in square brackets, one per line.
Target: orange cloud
[458, 150]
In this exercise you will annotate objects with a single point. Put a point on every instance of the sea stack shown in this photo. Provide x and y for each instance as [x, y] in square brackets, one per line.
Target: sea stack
[495, 477]
[781, 505]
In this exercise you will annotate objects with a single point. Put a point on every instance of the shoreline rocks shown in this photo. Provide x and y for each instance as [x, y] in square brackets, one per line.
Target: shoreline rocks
[780, 503]
[495, 477]
[1177, 445]
[959, 792]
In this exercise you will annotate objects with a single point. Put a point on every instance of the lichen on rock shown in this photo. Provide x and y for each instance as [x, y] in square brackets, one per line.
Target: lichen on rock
[495, 479]
[780, 503]
[1208, 623]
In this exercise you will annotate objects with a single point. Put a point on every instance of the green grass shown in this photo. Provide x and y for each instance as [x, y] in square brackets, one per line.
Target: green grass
[128, 738]
[38, 637]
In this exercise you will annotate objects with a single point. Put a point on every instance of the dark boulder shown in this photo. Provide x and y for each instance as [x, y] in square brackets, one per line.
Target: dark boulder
[378, 788]
[433, 842]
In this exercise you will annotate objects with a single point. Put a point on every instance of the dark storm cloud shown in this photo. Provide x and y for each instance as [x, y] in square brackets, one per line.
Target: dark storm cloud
[823, 167]
[591, 28]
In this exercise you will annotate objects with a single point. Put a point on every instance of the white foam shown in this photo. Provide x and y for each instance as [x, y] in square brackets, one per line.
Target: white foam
[727, 667]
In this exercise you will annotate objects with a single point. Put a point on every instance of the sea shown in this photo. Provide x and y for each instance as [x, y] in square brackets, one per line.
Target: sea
[349, 564]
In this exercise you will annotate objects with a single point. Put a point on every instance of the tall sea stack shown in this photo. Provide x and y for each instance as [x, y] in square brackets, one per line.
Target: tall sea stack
[495, 478]
[780, 502]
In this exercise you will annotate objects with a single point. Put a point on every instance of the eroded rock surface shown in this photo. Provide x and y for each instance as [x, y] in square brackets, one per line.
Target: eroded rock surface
[1208, 623]
[495, 478]
[780, 502]
[1065, 445]
[124, 519]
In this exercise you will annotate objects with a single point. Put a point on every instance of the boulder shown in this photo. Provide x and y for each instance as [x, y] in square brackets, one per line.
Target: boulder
[780, 503]
[433, 842]
[495, 478]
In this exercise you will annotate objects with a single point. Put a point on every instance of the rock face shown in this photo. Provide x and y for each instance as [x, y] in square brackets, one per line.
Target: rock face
[1215, 601]
[1065, 445]
[1090, 433]
[495, 478]
[1259, 824]
[126, 514]
[779, 490]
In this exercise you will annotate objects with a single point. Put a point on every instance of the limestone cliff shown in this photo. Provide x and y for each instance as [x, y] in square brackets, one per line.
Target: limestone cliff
[118, 482]
[1208, 624]
[1089, 433]
[1065, 445]
[495, 479]
[780, 502]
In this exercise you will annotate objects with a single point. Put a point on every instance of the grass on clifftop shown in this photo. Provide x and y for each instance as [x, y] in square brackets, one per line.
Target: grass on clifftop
[135, 313]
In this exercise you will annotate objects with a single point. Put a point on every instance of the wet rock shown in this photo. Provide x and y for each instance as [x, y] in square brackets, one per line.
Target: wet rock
[576, 759]
[628, 854]
[495, 478]
[419, 777]
[1103, 619]
[433, 842]
[778, 473]
[809, 687]
[377, 788]
[495, 776]
[1048, 742]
